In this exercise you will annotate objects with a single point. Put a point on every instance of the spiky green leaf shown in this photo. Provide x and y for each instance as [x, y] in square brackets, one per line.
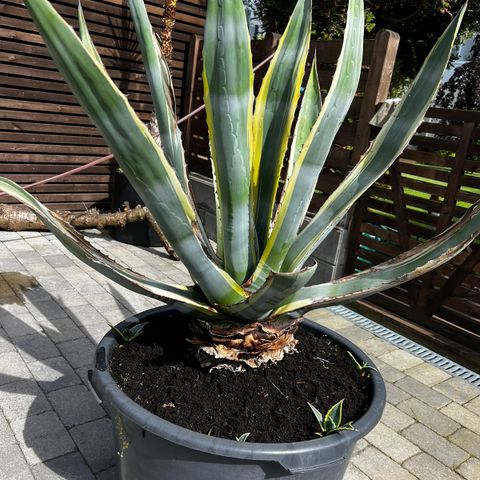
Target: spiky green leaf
[333, 417]
[228, 86]
[274, 113]
[85, 36]
[307, 116]
[161, 87]
[407, 266]
[141, 159]
[276, 288]
[388, 145]
[302, 182]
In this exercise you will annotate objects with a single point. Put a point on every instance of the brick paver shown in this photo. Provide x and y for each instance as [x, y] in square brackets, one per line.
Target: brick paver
[54, 309]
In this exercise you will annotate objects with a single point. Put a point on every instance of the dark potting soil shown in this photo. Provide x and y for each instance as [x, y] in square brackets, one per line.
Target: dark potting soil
[159, 372]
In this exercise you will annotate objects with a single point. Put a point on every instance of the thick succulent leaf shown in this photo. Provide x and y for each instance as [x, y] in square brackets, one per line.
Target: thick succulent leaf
[85, 36]
[407, 266]
[318, 415]
[334, 415]
[228, 85]
[307, 116]
[388, 145]
[83, 250]
[159, 79]
[301, 184]
[141, 159]
[276, 288]
[274, 113]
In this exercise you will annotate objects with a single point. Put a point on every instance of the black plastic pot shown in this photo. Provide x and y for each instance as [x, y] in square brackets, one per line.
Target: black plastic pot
[150, 448]
[137, 233]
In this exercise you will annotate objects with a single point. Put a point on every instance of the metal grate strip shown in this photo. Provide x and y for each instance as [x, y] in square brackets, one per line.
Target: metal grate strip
[408, 345]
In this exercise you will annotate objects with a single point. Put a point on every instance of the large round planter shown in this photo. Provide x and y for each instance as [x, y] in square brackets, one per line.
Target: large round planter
[150, 448]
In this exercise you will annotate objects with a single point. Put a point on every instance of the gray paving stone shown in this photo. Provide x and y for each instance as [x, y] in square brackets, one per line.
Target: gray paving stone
[58, 260]
[432, 418]
[11, 265]
[61, 329]
[39, 268]
[390, 374]
[20, 325]
[95, 442]
[96, 332]
[85, 315]
[78, 352]
[75, 405]
[82, 372]
[458, 390]
[20, 399]
[36, 347]
[6, 434]
[13, 465]
[53, 374]
[48, 310]
[426, 467]
[432, 443]
[474, 406]
[467, 440]
[42, 437]
[395, 395]
[68, 298]
[377, 466]
[428, 374]
[470, 469]
[328, 319]
[71, 467]
[376, 346]
[391, 443]
[353, 473]
[12, 368]
[400, 359]
[5, 344]
[422, 392]
[109, 474]
[395, 418]
[464, 417]
[356, 334]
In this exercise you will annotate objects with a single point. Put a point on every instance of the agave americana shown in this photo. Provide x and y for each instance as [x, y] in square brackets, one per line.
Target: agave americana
[245, 287]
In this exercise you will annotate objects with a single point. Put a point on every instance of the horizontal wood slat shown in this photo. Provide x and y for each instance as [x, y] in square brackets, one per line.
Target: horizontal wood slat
[43, 130]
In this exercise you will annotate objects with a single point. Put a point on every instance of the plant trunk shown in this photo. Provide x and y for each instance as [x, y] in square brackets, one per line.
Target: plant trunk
[232, 346]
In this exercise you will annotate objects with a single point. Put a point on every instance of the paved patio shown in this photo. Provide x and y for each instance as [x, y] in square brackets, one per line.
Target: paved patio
[53, 310]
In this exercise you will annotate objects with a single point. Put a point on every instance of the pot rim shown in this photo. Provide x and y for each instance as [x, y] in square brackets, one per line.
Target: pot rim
[105, 389]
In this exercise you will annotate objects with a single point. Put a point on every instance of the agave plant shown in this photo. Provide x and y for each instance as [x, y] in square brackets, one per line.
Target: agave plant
[246, 287]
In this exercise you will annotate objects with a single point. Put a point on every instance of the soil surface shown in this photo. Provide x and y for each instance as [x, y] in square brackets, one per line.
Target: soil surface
[159, 371]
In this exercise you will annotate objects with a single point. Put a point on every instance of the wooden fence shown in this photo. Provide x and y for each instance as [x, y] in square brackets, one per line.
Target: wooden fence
[432, 184]
[43, 130]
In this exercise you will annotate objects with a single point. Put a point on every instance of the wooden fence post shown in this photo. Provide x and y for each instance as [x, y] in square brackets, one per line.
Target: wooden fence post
[377, 88]
[376, 92]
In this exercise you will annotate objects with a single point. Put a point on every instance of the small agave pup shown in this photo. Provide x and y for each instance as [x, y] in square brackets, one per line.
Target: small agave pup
[246, 286]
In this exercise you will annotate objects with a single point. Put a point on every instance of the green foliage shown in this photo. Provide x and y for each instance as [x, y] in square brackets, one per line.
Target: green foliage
[129, 334]
[462, 90]
[258, 269]
[362, 368]
[332, 421]
[419, 23]
[243, 437]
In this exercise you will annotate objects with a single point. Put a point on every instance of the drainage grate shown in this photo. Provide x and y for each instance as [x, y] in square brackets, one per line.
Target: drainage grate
[405, 344]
